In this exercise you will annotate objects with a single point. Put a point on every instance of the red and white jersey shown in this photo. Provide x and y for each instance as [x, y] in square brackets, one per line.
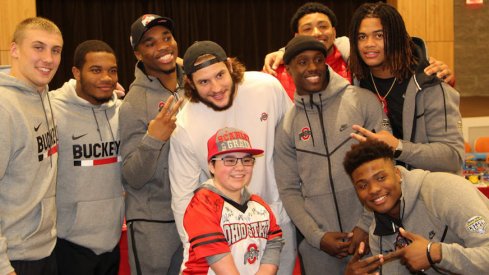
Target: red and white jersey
[218, 225]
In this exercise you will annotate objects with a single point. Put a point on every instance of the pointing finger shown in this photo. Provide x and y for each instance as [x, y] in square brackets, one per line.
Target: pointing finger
[408, 235]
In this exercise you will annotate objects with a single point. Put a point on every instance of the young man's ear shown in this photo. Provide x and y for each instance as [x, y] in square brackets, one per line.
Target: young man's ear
[76, 73]
[211, 167]
[14, 50]
[398, 175]
[138, 55]
[287, 69]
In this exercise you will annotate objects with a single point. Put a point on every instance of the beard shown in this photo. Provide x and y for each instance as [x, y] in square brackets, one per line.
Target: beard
[214, 106]
[169, 71]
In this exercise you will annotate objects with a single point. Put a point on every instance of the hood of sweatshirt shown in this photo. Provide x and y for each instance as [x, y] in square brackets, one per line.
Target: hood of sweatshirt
[342, 43]
[410, 188]
[421, 79]
[6, 80]
[209, 184]
[149, 82]
[336, 86]
[67, 94]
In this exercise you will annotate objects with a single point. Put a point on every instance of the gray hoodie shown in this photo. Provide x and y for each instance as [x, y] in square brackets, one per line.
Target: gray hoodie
[310, 144]
[432, 205]
[145, 159]
[89, 195]
[28, 165]
[431, 122]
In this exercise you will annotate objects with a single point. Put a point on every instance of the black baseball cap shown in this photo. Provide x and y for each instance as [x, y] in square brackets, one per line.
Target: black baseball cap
[146, 22]
[198, 49]
[302, 43]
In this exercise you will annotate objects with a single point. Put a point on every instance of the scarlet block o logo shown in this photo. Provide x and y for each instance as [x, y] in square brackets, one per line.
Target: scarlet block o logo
[305, 133]
[252, 254]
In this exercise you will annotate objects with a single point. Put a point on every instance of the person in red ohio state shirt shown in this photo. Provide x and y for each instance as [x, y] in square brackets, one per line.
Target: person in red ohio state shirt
[230, 230]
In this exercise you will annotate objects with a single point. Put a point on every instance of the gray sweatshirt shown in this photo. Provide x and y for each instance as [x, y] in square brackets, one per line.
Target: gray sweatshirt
[89, 197]
[431, 122]
[310, 144]
[28, 166]
[431, 203]
[145, 159]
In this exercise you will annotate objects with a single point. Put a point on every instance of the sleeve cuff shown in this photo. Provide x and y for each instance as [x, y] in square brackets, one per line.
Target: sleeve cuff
[152, 142]
[316, 239]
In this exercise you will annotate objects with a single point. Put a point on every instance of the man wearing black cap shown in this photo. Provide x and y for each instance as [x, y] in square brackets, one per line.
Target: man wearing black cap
[222, 94]
[310, 144]
[154, 246]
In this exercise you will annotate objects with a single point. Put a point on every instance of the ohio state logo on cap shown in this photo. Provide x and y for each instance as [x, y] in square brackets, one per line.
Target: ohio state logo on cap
[147, 18]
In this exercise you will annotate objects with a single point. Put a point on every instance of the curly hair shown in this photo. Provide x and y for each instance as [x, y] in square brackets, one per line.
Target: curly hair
[364, 152]
[308, 8]
[236, 69]
[398, 45]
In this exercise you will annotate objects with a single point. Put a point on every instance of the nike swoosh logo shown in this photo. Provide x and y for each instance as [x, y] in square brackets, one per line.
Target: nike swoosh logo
[37, 128]
[343, 127]
[73, 137]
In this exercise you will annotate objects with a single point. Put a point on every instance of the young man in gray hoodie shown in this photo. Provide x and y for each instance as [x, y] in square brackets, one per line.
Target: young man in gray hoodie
[154, 245]
[89, 194]
[423, 110]
[28, 146]
[310, 144]
[426, 222]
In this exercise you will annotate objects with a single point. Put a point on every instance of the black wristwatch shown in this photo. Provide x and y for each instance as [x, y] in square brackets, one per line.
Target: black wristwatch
[398, 150]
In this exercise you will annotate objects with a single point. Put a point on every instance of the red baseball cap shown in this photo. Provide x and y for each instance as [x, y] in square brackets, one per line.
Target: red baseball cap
[229, 140]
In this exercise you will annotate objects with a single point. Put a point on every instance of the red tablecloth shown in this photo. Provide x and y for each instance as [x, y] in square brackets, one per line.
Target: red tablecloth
[124, 264]
[484, 190]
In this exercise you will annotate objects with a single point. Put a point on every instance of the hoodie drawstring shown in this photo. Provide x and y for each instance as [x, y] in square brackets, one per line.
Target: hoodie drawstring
[98, 126]
[110, 127]
[47, 121]
[308, 121]
[96, 122]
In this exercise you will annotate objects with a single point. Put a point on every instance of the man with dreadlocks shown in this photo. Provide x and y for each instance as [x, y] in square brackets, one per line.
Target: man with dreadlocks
[423, 111]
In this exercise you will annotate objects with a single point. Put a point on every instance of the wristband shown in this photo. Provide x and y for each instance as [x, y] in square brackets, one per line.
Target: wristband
[398, 150]
[428, 254]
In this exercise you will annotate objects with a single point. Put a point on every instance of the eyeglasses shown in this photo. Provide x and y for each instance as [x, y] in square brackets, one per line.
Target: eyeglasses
[230, 161]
